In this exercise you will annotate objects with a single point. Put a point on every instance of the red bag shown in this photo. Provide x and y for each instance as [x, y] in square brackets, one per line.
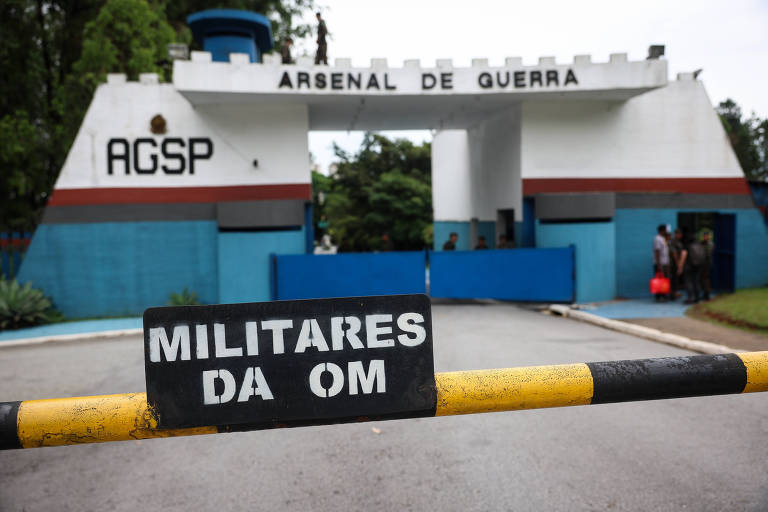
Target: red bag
[659, 284]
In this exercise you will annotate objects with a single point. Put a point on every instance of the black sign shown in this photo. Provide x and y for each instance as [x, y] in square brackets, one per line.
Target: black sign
[290, 362]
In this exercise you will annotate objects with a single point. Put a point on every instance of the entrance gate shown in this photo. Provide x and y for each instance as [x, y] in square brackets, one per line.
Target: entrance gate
[526, 275]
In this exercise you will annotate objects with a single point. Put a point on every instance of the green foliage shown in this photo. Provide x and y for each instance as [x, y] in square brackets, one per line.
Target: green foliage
[54, 55]
[24, 306]
[23, 175]
[384, 188]
[744, 308]
[185, 298]
[749, 139]
[127, 36]
[41, 41]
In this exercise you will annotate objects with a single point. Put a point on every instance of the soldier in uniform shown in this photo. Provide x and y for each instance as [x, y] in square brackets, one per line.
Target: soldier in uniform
[676, 250]
[450, 244]
[706, 271]
[322, 45]
[285, 51]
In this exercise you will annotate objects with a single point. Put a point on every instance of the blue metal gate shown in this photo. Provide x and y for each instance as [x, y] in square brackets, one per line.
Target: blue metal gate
[308, 276]
[535, 275]
[531, 275]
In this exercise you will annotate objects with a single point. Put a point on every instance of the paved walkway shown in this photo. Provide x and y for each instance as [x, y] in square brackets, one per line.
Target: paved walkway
[639, 308]
[706, 331]
[670, 317]
[82, 327]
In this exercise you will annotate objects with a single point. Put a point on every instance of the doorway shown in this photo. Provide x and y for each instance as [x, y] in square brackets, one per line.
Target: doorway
[505, 225]
[723, 228]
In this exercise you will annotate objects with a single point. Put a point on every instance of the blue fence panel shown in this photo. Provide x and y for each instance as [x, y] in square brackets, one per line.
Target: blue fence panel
[535, 275]
[309, 276]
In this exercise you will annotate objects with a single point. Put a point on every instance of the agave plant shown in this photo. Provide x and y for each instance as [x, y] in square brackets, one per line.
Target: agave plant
[24, 306]
[185, 298]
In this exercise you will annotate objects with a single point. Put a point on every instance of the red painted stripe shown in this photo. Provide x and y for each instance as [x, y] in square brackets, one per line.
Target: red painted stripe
[737, 186]
[87, 196]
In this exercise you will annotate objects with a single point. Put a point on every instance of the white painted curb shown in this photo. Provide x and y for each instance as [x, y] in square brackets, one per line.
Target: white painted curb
[71, 337]
[648, 333]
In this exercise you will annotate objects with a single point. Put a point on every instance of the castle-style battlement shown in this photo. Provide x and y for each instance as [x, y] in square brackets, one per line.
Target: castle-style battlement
[203, 80]
[272, 59]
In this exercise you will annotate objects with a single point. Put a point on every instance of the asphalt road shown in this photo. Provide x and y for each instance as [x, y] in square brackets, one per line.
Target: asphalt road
[698, 454]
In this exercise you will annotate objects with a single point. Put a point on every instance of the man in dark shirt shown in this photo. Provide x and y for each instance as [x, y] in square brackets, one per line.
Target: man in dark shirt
[285, 51]
[504, 243]
[676, 250]
[386, 243]
[481, 243]
[694, 265]
[706, 270]
[322, 46]
[450, 245]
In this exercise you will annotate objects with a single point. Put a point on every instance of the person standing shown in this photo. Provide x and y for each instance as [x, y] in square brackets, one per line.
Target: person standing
[385, 243]
[285, 51]
[706, 270]
[661, 255]
[322, 45]
[676, 250]
[481, 243]
[450, 244]
[694, 264]
[504, 243]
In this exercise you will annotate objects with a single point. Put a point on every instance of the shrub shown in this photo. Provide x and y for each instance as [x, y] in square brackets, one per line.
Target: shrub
[185, 298]
[24, 306]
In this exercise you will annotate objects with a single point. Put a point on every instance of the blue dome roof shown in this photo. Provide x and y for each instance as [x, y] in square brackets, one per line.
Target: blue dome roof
[232, 21]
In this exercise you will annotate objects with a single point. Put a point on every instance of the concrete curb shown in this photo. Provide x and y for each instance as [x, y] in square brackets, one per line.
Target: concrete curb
[648, 333]
[87, 336]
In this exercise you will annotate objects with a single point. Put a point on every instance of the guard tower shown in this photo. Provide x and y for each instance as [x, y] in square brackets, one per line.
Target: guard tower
[225, 31]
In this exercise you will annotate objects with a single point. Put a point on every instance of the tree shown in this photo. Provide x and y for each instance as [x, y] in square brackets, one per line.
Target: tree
[384, 188]
[55, 53]
[41, 40]
[748, 137]
[127, 36]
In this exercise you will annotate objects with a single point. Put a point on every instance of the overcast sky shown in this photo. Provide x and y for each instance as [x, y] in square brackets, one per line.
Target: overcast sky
[727, 39]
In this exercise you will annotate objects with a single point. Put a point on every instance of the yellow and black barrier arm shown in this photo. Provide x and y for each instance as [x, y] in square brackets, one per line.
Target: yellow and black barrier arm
[96, 419]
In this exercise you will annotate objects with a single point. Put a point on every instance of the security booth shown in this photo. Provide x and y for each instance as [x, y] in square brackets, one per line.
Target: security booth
[202, 182]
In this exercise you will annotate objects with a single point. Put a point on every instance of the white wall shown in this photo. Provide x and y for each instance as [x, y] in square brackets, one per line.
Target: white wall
[275, 135]
[240, 78]
[451, 177]
[671, 132]
[494, 147]
[477, 171]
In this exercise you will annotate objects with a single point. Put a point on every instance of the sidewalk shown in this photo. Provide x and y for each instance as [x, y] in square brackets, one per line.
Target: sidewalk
[670, 317]
[70, 328]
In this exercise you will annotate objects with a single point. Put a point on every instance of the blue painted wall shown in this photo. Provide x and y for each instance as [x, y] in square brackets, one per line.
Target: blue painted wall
[751, 248]
[350, 274]
[244, 272]
[121, 268]
[443, 229]
[595, 255]
[635, 229]
[527, 237]
[538, 275]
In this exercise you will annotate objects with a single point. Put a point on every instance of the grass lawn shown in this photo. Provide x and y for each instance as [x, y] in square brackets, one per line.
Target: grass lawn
[745, 308]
